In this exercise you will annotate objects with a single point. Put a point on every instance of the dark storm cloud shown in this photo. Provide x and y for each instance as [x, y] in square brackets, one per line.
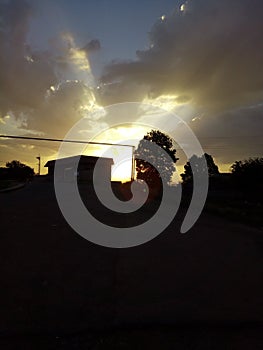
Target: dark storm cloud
[33, 85]
[117, 92]
[209, 52]
[62, 107]
[24, 74]
[93, 45]
[231, 135]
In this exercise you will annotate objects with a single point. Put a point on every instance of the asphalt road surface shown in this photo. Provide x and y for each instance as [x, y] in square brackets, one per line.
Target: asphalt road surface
[55, 283]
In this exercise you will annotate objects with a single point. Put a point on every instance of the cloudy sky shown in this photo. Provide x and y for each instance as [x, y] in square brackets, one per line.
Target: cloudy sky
[63, 60]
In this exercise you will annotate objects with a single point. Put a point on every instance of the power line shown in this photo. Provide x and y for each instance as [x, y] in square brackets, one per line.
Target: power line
[214, 147]
[76, 141]
[61, 140]
[230, 137]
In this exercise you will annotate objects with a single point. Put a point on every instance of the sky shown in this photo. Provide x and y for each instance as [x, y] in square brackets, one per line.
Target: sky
[63, 60]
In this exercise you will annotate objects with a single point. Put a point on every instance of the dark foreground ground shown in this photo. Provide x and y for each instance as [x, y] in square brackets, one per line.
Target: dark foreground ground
[200, 290]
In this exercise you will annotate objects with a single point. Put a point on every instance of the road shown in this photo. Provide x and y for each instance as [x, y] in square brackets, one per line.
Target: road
[54, 281]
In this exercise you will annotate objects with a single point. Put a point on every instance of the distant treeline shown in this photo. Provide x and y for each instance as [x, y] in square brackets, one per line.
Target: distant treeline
[16, 170]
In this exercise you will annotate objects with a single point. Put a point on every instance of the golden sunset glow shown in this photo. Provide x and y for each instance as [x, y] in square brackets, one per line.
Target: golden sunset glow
[79, 58]
[122, 172]
[79, 65]
[122, 156]
[167, 102]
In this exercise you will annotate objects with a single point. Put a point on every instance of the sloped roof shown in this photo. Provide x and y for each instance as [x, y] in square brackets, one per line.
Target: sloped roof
[83, 159]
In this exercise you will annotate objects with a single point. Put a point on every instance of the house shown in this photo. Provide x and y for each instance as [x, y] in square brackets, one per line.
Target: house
[84, 173]
[4, 173]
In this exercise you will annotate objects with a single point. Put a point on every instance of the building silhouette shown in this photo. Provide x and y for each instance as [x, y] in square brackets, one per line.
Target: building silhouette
[68, 169]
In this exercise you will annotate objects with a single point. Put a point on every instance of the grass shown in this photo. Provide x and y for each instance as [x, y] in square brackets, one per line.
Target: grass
[243, 211]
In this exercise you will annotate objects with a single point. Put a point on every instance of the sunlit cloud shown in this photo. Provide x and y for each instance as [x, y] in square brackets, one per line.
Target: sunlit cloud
[211, 55]
[203, 63]
[183, 7]
[27, 146]
[69, 40]
[167, 102]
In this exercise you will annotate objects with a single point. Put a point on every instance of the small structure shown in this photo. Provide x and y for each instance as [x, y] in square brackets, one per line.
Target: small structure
[4, 173]
[85, 168]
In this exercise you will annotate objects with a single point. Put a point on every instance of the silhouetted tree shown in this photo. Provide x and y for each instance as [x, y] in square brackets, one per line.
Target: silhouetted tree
[246, 179]
[164, 166]
[212, 168]
[248, 170]
[19, 171]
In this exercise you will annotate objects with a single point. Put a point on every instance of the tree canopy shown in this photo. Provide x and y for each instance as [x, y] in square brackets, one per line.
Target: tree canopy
[248, 170]
[18, 170]
[146, 156]
[212, 168]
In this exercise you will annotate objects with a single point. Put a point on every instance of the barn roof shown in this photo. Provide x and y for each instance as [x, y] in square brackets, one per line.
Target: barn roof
[91, 160]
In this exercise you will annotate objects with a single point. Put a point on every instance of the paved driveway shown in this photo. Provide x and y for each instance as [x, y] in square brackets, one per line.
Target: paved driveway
[52, 280]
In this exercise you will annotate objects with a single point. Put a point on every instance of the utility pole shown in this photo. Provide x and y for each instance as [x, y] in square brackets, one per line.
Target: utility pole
[133, 164]
[39, 160]
[74, 141]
